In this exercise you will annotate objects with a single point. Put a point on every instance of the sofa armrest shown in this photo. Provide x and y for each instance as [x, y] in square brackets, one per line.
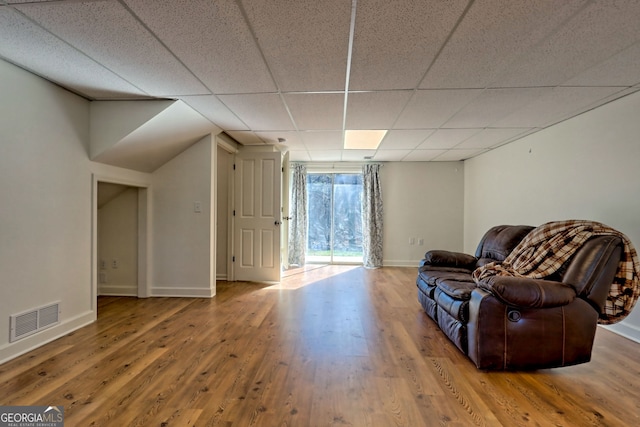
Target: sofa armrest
[449, 259]
[529, 293]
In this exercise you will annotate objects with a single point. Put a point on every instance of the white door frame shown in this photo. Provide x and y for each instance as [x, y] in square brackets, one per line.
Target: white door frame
[144, 234]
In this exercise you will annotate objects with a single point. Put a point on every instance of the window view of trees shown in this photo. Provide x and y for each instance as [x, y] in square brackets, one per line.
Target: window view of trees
[334, 212]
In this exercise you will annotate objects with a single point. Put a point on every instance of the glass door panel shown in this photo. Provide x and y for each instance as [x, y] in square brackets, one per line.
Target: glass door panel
[335, 222]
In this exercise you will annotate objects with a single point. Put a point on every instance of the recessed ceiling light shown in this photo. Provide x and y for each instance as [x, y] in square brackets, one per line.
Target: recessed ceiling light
[363, 139]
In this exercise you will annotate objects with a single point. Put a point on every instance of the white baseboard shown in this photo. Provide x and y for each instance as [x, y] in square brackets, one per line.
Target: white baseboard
[120, 291]
[184, 292]
[628, 331]
[400, 263]
[12, 350]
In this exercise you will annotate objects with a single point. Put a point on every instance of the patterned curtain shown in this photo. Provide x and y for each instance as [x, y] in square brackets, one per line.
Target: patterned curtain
[371, 216]
[298, 222]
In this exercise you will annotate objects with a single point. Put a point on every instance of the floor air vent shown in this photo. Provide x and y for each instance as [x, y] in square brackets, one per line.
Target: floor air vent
[30, 322]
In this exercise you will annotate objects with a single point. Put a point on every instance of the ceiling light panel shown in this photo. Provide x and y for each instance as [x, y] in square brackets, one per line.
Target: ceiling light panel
[227, 59]
[363, 139]
[289, 32]
[395, 42]
[375, 110]
[33, 48]
[113, 37]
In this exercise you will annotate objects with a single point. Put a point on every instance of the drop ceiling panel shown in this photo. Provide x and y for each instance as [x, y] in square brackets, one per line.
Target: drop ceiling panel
[395, 42]
[620, 69]
[299, 156]
[601, 30]
[456, 155]
[404, 139]
[391, 155]
[492, 105]
[492, 35]
[357, 155]
[33, 48]
[375, 110]
[326, 156]
[227, 59]
[109, 34]
[489, 138]
[213, 109]
[447, 138]
[432, 108]
[319, 111]
[246, 137]
[259, 111]
[555, 105]
[293, 140]
[423, 155]
[289, 32]
[318, 141]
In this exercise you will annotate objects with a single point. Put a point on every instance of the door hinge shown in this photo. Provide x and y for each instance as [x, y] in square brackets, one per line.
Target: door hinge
[234, 166]
[234, 212]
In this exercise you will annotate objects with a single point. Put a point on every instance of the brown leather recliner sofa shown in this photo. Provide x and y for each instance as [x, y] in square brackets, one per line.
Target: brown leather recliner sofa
[516, 323]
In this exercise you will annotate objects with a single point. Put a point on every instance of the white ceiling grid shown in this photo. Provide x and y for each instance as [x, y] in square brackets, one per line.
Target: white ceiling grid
[449, 79]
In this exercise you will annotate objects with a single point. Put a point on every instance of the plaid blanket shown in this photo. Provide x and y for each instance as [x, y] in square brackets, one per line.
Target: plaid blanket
[546, 248]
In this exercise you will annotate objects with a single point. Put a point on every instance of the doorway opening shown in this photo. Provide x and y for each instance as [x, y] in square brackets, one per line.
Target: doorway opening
[334, 206]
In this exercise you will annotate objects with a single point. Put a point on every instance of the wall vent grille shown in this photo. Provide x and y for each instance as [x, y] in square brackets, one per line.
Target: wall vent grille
[32, 321]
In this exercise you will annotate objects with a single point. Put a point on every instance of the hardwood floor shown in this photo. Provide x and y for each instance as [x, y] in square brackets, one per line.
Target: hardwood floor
[336, 345]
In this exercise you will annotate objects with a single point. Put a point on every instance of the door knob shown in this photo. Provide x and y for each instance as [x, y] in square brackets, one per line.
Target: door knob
[278, 223]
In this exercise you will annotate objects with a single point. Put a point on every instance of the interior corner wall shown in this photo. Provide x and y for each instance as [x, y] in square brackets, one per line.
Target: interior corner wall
[583, 168]
[423, 209]
[183, 238]
[118, 245]
[45, 191]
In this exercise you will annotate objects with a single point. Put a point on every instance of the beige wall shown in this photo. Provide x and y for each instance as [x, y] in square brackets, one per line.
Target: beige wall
[422, 200]
[118, 241]
[45, 213]
[183, 239]
[586, 167]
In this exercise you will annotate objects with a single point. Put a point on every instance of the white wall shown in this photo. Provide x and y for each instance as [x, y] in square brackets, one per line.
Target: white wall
[422, 200]
[585, 168]
[45, 209]
[183, 240]
[118, 241]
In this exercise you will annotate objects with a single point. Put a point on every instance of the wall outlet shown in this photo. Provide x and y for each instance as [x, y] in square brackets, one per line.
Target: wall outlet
[197, 207]
[412, 240]
[114, 263]
[103, 264]
[421, 242]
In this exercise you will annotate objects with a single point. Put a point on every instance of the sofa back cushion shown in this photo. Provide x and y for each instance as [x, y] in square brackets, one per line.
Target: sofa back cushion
[499, 241]
[591, 270]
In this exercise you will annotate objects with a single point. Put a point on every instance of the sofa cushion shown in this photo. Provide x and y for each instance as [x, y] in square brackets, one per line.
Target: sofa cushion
[529, 293]
[449, 259]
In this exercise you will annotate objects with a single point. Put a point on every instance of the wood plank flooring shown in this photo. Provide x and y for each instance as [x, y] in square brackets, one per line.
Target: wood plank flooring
[329, 346]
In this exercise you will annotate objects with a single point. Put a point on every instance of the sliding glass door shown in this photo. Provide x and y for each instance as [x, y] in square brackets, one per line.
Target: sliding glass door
[335, 221]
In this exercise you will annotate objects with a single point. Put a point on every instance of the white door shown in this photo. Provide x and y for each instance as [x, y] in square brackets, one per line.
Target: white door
[257, 218]
[284, 234]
